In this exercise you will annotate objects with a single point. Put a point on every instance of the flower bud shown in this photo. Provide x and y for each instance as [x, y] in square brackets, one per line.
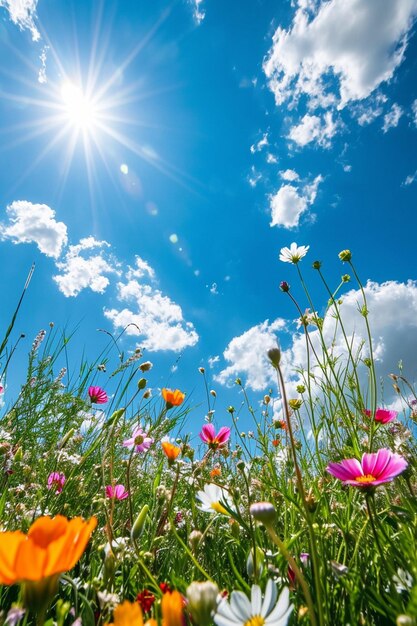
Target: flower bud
[194, 539]
[345, 256]
[142, 383]
[316, 265]
[284, 286]
[263, 512]
[274, 355]
[139, 524]
[202, 601]
[146, 366]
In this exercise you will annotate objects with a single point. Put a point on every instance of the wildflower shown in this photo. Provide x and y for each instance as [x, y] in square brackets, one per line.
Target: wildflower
[172, 606]
[274, 355]
[127, 614]
[171, 451]
[145, 366]
[284, 286]
[56, 481]
[276, 442]
[52, 546]
[14, 616]
[165, 588]
[215, 472]
[211, 499]
[97, 395]
[118, 492]
[202, 601]
[140, 440]
[374, 469]
[146, 600]
[293, 254]
[345, 256]
[208, 436]
[172, 397]
[382, 415]
[271, 611]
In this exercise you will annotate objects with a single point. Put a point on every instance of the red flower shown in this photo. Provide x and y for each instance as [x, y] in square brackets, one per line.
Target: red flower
[97, 395]
[165, 588]
[146, 600]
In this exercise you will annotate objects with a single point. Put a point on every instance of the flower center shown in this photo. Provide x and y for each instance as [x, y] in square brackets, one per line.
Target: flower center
[256, 620]
[368, 478]
[139, 439]
[220, 509]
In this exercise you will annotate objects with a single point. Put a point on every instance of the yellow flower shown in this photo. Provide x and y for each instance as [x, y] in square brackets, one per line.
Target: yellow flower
[172, 397]
[52, 546]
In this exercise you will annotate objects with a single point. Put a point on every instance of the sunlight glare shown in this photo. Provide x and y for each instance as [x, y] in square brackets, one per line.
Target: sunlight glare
[79, 109]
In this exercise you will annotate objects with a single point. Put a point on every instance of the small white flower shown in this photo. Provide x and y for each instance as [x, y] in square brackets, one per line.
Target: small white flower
[211, 499]
[256, 612]
[293, 254]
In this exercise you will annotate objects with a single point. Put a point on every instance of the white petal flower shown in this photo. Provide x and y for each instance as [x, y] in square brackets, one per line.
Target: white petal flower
[211, 499]
[256, 612]
[293, 254]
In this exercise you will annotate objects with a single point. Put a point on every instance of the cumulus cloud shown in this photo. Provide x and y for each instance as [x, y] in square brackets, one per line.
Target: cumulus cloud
[257, 147]
[149, 313]
[313, 128]
[34, 223]
[23, 14]
[334, 70]
[85, 265]
[291, 202]
[392, 118]
[247, 356]
[392, 317]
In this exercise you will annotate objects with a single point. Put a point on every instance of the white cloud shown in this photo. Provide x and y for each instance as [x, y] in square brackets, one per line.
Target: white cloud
[151, 315]
[271, 158]
[213, 360]
[34, 223]
[393, 320]
[313, 128]
[289, 175]
[414, 111]
[85, 265]
[340, 52]
[23, 14]
[198, 11]
[257, 147]
[142, 269]
[247, 356]
[392, 118]
[290, 202]
[254, 177]
[410, 179]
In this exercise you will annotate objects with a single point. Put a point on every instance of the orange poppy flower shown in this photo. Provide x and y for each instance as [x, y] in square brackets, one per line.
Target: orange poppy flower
[127, 614]
[170, 450]
[216, 471]
[172, 397]
[52, 546]
[172, 609]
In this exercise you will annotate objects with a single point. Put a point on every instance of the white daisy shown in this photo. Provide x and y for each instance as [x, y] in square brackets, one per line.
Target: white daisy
[211, 499]
[293, 254]
[256, 612]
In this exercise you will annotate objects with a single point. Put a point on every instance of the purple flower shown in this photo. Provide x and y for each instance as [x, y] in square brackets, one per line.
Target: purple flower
[140, 440]
[118, 492]
[374, 469]
[56, 481]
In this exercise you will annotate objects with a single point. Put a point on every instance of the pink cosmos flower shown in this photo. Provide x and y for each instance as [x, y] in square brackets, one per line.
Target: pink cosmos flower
[382, 415]
[118, 492]
[140, 440]
[208, 436]
[56, 481]
[97, 395]
[374, 469]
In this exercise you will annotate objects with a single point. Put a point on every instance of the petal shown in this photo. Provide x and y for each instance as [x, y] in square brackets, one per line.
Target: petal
[281, 607]
[256, 600]
[240, 605]
[30, 561]
[222, 620]
[375, 463]
[9, 546]
[223, 434]
[271, 594]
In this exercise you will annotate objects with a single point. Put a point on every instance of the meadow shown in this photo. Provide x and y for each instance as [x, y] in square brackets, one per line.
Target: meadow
[111, 513]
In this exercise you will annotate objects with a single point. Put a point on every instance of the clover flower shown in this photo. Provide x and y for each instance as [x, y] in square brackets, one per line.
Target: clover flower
[118, 492]
[140, 440]
[382, 415]
[56, 481]
[269, 611]
[97, 395]
[374, 469]
[208, 436]
[293, 254]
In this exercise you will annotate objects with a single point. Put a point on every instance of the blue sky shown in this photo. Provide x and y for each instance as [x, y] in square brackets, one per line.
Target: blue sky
[155, 158]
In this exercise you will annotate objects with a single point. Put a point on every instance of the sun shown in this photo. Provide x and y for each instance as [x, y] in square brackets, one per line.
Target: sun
[78, 108]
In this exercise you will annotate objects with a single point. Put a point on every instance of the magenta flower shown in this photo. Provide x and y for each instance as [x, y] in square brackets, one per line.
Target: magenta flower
[97, 395]
[374, 469]
[382, 415]
[208, 436]
[56, 481]
[140, 440]
[118, 492]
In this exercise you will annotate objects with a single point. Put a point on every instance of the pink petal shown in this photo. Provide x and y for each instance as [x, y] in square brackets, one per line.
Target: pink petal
[208, 433]
[223, 434]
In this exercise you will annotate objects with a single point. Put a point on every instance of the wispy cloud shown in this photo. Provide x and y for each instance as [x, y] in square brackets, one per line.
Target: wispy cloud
[392, 118]
[23, 14]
